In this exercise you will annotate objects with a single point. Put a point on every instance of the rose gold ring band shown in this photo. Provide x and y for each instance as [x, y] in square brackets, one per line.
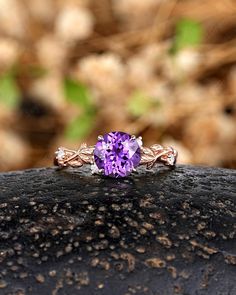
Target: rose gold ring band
[85, 155]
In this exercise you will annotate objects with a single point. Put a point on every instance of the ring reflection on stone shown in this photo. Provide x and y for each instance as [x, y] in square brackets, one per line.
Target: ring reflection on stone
[116, 154]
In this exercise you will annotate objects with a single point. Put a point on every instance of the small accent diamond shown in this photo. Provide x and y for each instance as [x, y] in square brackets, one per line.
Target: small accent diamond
[60, 154]
[94, 169]
[171, 159]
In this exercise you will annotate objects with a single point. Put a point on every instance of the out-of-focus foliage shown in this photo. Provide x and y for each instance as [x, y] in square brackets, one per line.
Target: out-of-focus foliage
[139, 104]
[73, 69]
[189, 33]
[9, 91]
[78, 94]
[79, 127]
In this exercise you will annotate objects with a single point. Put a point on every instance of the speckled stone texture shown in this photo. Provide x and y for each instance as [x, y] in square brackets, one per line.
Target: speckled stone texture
[158, 233]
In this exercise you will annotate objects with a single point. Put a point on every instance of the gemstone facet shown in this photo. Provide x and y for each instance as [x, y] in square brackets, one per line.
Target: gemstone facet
[117, 154]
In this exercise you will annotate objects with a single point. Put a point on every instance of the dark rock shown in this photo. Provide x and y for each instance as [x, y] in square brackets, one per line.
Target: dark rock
[162, 232]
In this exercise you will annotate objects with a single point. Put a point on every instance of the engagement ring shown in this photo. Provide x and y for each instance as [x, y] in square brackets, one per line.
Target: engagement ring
[116, 154]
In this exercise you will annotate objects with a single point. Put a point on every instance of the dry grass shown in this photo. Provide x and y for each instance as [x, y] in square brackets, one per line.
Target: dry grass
[117, 49]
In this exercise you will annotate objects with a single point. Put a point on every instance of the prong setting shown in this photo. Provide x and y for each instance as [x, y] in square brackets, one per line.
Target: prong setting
[100, 137]
[140, 141]
[134, 170]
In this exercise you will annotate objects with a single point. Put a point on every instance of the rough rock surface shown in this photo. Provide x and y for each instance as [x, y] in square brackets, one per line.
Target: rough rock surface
[158, 233]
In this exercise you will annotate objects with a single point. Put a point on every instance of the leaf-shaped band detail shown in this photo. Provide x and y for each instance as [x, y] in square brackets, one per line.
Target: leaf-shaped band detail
[65, 157]
[158, 153]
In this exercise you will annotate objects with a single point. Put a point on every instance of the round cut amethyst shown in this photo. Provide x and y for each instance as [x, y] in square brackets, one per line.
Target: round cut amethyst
[117, 154]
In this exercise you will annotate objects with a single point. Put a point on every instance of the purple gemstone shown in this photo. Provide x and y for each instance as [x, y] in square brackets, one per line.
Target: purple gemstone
[117, 154]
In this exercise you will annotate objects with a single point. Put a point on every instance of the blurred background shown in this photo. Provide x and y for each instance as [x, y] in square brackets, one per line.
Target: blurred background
[73, 69]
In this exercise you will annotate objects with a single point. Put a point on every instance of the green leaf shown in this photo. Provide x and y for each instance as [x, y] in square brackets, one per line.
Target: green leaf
[189, 33]
[80, 127]
[9, 91]
[77, 93]
[139, 103]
